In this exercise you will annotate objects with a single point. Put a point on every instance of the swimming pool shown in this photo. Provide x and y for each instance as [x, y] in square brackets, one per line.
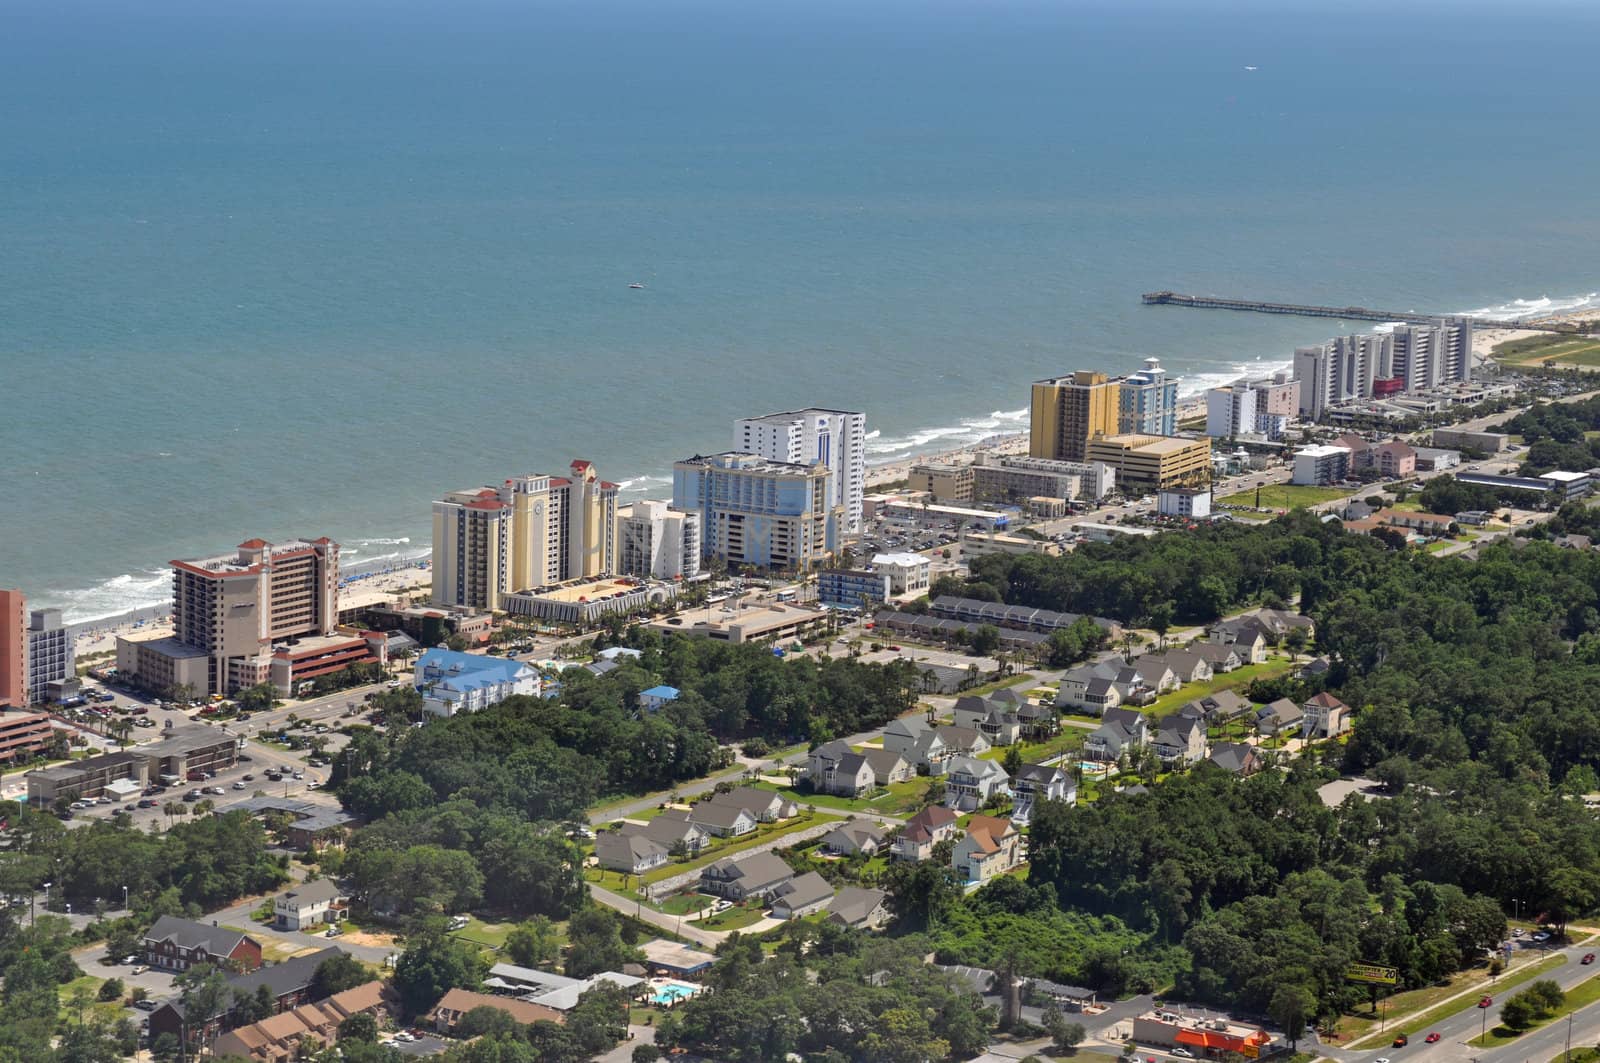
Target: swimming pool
[672, 992]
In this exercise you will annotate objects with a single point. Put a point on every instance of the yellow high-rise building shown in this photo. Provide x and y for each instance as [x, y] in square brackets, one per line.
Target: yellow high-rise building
[1070, 411]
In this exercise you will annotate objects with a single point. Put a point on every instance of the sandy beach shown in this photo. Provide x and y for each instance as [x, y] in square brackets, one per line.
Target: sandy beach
[357, 589]
[1486, 340]
[899, 470]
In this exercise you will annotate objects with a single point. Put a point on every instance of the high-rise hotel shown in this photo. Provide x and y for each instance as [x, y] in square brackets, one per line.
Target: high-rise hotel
[760, 512]
[1375, 365]
[530, 532]
[836, 439]
[1070, 412]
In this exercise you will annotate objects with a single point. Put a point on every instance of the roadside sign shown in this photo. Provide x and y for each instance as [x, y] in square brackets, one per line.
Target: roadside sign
[1372, 974]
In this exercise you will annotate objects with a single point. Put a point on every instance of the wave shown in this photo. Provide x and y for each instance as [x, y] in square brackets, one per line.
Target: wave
[402, 541]
[116, 596]
[947, 437]
[1540, 307]
[642, 483]
[1194, 385]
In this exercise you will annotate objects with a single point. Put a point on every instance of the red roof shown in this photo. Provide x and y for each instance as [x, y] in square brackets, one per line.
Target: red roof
[484, 503]
[579, 463]
[252, 544]
[607, 485]
[560, 481]
[488, 492]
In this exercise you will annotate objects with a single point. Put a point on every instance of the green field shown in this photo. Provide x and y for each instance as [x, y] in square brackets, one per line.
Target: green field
[1286, 496]
[1549, 350]
[1238, 678]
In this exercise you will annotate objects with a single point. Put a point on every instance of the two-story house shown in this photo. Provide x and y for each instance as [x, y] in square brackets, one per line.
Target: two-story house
[310, 904]
[1188, 666]
[801, 896]
[756, 875]
[1180, 741]
[1222, 659]
[999, 725]
[857, 837]
[970, 782]
[1236, 757]
[1132, 688]
[1279, 717]
[1084, 688]
[175, 944]
[1325, 717]
[1036, 782]
[835, 768]
[1122, 729]
[901, 736]
[888, 767]
[1249, 639]
[923, 831]
[1156, 674]
[989, 848]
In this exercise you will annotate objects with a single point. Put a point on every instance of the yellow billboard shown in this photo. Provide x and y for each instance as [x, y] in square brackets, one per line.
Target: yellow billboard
[1372, 974]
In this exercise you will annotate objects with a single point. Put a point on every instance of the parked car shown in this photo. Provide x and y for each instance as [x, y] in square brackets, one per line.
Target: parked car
[146, 1005]
[239, 785]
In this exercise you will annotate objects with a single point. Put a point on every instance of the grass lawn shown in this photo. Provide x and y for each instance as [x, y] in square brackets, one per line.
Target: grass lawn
[489, 935]
[1069, 739]
[1579, 996]
[110, 1010]
[985, 689]
[1548, 350]
[1239, 677]
[736, 918]
[1402, 1003]
[719, 848]
[894, 799]
[1287, 496]
[684, 903]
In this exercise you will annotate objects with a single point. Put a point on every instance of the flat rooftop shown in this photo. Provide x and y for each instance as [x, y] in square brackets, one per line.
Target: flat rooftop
[182, 740]
[592, 590]
[167, 646]
[1151, 444]
[740, 461]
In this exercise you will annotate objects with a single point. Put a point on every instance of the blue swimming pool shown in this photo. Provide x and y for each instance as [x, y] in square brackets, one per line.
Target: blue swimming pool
[671, 993]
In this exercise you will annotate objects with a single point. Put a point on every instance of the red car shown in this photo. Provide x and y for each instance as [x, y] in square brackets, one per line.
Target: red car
[1431, 1038]
[1588, 957]
[1486, 1002]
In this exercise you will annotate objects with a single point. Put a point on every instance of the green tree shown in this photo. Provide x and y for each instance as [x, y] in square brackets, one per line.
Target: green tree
[359, 1027]
[985, 640]
[1291, 1006]
[336, 974]
[203, 991]
[432, 965]
[533, 942]
[110, 989]
[594, 935]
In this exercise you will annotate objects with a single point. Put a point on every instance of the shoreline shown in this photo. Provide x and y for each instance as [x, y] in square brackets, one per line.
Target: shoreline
[1484, 341]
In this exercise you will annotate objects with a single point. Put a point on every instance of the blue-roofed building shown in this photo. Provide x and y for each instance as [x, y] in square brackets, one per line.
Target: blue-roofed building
[452, 682]
[651, 700]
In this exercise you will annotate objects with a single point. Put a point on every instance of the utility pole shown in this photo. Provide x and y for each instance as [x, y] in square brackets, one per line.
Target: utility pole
[1569, 1037]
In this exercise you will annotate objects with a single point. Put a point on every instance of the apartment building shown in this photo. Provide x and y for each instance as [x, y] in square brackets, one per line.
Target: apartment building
[1153, 463]
[532, 531]
[758, 511]
[848, 588]
[1067, 412]
[1230, 412]
[659, 542]
[1320, 465]
[1011, 478]
[1379, 365]
[23, 735]
[13, 649]
[1147, 401]
[946, 482]
[836, 439]
[52, 660]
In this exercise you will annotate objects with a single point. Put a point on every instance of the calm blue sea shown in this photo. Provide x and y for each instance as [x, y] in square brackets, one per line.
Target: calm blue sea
[296, 267]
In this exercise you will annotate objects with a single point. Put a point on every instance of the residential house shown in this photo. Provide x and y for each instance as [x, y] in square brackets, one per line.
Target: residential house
[1236, 757]
[1222, 659]
[1436, 525]
[859, 909]
[175, 944]
[1248, 639]
[1038, 721]
[1188, 666]
[631, 854]
[287, 983]
[1122, 729]
[722, 820]
[756, 875]
[1317, 666]
[970, 782]
[962, 741]
[1132, 687]
[1279, 622]
[455, 1004]
[1280, 717]
[1224, 705]
[923, 831]
[901, 736]
[654, 699]
[989, 848]
[835, 768]
[1325, 717]
[999, 725]
[800, 896]
[1083, 688]
[309, 904]
[1155, 673]
[766, 806]
[1036, 782]
[888, 767]
[857, 836]
[1360, 449]
[670, 830]
[1180, 741]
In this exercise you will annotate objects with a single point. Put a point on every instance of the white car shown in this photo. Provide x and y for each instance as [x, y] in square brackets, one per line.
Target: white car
[1183, 1053]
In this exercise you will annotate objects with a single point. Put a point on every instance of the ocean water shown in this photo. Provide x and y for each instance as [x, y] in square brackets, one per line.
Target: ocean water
[296, 268]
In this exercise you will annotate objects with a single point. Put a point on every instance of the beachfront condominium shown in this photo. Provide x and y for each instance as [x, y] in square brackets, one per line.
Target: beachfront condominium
[530, 532]
[659, 542]
[1261, 407]
[1147, 401]
[231, 609]
[1377, 365]
[13, 649]
[757, 511]
[1069, 411]
[52, 661]
[835, 438]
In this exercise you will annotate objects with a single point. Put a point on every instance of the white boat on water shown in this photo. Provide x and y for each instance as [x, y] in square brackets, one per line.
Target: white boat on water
[636, 286]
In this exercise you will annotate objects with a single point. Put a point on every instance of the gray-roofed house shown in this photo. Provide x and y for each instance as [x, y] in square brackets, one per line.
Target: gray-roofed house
[632, 854]
[670, 831]
[857, 836]
[1188, 666]
[756, 875]
[1122, 729]
[900, 736]
[888, 767]
[177, 944]
[766, 805]
[970, 782]
[821, 762]
[723, 821]
[963, 741]
[801, 895]
[998, 723]
[849, 775]
[1037, 782]
[1131, 684]
[1225, 705]
[1280, 717]
[309, 904]
[1236, 757]
[1280, 622]
[1245, 636]
[1156, 673]
[859, 909]
[1221, 658]
[1180, 740]
[1039, 721]
[1084, 688]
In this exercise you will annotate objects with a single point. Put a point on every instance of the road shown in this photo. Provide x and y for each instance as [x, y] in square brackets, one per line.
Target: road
[671, 923]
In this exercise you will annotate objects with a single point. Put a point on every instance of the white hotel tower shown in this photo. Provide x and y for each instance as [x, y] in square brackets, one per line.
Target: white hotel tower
[836, 438]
